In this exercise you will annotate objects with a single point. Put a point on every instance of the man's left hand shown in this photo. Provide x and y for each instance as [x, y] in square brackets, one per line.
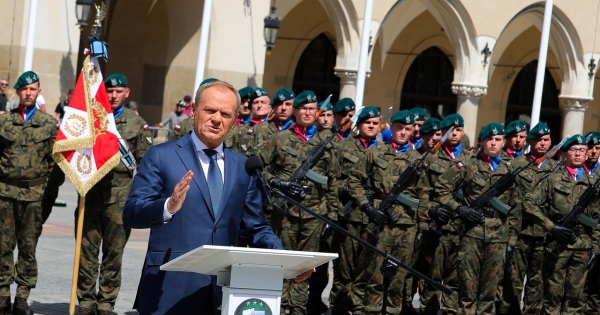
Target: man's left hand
[305, 275]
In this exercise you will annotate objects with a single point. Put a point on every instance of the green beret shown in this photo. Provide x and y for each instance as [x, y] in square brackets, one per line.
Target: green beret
[116, 80]
[404, 116]
[515, 127]
[327, 108]
[258, 92]
[307, 96]
[592, 138]
[455, 120]
[282, 95]
[419, 113]
[539, 130]
[573, 140]
[492, 129]
[344, 105]
[246, 92]
[28, 77]
[430, 125]
[209, 80]
[368, 112]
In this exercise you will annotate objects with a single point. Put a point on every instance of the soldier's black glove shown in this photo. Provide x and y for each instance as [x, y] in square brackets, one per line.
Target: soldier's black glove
[563, 234]
[439, 214]
[592, 262]
[291, 188]
[470, 214]
[374, 214]
[510, 251]
[419, 239]
[325, 234]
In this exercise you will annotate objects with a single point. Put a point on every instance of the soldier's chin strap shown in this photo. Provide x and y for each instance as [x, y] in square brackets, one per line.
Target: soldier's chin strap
[127, 157]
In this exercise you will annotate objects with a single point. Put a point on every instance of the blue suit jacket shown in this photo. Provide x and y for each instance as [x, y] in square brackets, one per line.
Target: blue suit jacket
[194, 225]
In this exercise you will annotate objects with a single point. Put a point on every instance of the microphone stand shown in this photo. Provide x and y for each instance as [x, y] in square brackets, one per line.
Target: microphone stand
[390, 263]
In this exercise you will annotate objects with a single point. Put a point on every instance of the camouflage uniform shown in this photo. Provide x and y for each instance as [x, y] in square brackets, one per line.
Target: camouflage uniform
[483, 246]
[282, 155]
[441, 252]
[25, 164]
[246, 141]
[564, 277]
[382, 166]
[529, 249]
[182, 129]
[103, 222]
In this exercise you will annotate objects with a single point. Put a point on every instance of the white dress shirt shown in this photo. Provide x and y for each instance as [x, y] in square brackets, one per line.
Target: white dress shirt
[205, 163]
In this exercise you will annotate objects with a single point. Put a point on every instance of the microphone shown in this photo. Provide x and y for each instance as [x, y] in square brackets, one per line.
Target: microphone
[254, 167]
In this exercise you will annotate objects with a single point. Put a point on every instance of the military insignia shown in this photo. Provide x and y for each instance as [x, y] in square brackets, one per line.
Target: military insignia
[456, 122]
[29, 80]
[541, 131]
[258, 92]
[407, 119]
[435, 127]
[113, 82]
[177, 127]
[281, 97]
[371, 114]
[292, 95]
[146, 128]
[250, 131]
[579, 140]
[495, 131]
[459, 165]
[149, 140]
[518, 128]
[240, 133]
[347, 107]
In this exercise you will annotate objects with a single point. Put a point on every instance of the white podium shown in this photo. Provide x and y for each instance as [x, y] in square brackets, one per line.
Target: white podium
[252, 278]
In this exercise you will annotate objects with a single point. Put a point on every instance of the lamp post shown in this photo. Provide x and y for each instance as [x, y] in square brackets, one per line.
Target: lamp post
[272, 22]
[83, 8]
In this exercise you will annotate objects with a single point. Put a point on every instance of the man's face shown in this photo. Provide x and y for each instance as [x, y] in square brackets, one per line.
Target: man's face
[401, 133]
[369, 128]
[341, 117]
[593, 153]
[416, 133]
[260, 107]
[516, 141]
[244, 109]
[29, 93]
[215, 115]
[284, 110]
[189, 103]
[492, 145]
[117, 95]
[431, 139]
[576, 155]
[3, 85]
[69, 97]
[455, 136]
[305, 114]
[325, 121]
[540, 145]
[180, 108]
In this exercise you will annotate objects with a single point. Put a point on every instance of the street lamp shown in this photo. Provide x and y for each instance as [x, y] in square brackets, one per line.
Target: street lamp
[272, 22]
[83, 8]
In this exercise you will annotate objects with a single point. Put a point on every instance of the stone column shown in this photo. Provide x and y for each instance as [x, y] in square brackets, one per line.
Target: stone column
[347, 83]
[573, 112]
[467, 106]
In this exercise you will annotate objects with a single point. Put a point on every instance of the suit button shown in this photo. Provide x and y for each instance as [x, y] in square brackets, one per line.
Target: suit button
[214, 230]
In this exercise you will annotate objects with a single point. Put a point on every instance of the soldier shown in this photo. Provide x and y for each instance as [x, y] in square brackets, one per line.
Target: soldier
[283, 154]
[381, 166]
[325, 121]
[564, 275]
[420, 115]
[529, 249]
[187, 124]
[346, 293]
[103, 223]
[245, 113]
[26, 139]
[343, 110]
[483, 245]
[592, 285]
[442, 251]
[246, 142]
[280, 120]
[516, 132]
[593, 142]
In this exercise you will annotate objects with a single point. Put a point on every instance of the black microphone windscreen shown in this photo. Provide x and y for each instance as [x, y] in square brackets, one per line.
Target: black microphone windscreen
[253, 163]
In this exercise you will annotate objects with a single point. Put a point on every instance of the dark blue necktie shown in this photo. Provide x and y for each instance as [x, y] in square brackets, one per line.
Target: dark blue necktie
[215, 181]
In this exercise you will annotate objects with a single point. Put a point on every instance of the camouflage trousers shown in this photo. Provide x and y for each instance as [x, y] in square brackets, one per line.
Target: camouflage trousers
[397, 240]
[347, 291]
[444, 265]
[564, 281]
[526, 262]
[102, 226]
[301, 234]
[592, 291]
[480, 268]
[20, 227]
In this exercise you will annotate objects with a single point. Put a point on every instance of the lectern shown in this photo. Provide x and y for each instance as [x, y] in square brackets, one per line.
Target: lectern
[252, 278]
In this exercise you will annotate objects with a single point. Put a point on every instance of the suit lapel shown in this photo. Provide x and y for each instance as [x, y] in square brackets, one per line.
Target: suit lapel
[189, 158]
[230, 169]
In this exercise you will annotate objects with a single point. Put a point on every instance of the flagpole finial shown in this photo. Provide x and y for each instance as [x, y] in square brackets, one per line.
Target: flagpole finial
[100, 15]
[98, 48]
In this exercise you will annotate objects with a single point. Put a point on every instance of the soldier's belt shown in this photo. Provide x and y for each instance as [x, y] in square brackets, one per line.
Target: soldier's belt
[23, 183]
[113, 175]
[403, 199]
[587, 221]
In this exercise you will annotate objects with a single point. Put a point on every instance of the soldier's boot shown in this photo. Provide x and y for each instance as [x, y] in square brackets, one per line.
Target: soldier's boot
[21, 307]
[5, 305]
[104, 312]
[85, 311]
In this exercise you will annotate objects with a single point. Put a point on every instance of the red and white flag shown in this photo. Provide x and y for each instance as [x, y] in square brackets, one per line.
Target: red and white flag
[87, 145]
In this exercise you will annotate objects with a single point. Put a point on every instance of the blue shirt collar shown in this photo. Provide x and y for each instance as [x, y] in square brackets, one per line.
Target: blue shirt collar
[118, 111]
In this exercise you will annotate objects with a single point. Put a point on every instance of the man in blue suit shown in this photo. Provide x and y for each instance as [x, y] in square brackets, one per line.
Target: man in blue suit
[193, 192]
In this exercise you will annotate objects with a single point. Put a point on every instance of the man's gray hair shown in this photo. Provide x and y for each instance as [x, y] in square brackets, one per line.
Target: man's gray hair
[203, 87]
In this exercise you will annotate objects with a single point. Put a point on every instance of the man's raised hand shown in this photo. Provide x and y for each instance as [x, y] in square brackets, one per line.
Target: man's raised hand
[179, 192]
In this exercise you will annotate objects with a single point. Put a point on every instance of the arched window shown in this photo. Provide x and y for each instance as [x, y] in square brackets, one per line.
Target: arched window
[428, 84]
[520, 100]
[315, 70]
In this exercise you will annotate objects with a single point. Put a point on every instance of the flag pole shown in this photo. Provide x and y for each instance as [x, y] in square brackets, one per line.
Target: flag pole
[541, 66]
[78, 237]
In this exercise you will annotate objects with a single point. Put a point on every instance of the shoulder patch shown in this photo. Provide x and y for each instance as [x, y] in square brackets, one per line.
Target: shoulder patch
[149, 140]
[146, 128]
[250, 131]
[57, 126]
[177, 127]
[240, 133]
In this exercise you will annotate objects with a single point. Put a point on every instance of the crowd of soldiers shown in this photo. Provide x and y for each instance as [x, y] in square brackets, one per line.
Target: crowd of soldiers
[438, 223]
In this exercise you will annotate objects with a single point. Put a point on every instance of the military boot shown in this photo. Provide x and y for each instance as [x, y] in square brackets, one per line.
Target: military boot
[104, 312]
[85, 311]
[21, 307]
[4, 305]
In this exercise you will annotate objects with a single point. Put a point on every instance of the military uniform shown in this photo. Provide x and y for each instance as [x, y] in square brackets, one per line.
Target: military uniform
[282, 155]
[25, 164]
[182, 129]
[592, 285]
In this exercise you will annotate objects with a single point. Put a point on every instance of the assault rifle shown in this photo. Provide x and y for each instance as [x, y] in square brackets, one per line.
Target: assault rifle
[391, 199]
[576, 215]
